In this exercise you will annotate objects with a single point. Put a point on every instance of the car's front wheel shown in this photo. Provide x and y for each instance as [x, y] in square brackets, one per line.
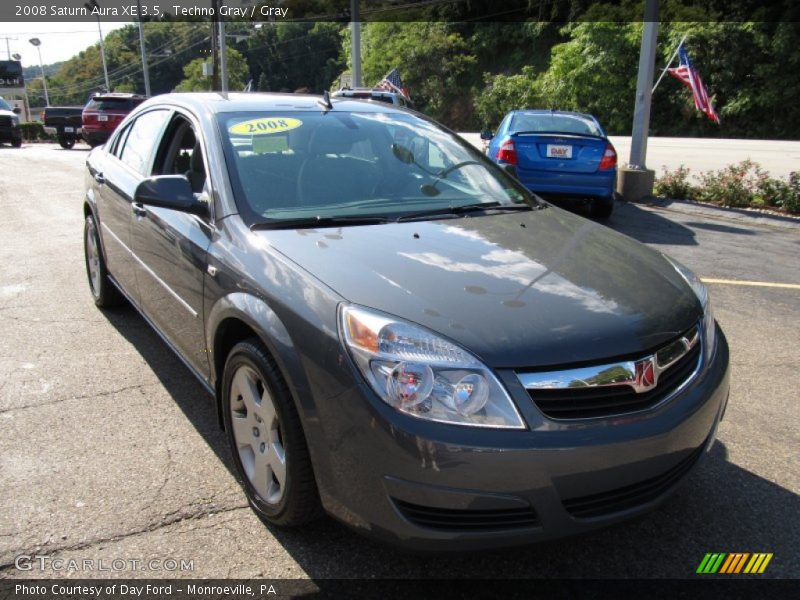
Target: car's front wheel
[267, 439]
[103, 291]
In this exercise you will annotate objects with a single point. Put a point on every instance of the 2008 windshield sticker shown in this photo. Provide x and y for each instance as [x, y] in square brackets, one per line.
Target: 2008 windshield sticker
[265, 126]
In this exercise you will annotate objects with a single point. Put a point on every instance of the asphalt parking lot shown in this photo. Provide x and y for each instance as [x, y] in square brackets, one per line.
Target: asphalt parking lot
[111, 450]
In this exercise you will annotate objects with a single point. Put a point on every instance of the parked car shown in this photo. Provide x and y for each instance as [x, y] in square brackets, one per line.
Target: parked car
[558, 153]
[65, 123]
[10, 131]
[394, 329]
[104, 112]
[374, 94]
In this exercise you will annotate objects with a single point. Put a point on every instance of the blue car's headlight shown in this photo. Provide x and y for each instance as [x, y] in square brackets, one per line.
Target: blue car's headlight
[701, 291]
[422, 375]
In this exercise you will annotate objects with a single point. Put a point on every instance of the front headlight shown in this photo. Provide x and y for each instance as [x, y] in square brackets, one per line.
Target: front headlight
[701, 291]
[422, 375]
[15, 121]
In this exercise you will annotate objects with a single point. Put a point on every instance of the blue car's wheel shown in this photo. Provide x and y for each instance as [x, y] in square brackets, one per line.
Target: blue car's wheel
[602, 207]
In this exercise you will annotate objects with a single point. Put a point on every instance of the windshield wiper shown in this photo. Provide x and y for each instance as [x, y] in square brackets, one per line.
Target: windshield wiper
[464, 209]
[311, 222]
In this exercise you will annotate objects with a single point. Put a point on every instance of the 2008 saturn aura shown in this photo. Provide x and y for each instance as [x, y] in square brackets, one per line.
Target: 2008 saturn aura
[396, 331]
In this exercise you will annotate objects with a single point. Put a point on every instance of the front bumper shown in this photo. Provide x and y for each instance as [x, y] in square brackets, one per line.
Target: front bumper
[427, 486]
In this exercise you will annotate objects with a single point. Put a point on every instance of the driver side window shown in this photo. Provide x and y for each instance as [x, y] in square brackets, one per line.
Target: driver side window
[181, 153]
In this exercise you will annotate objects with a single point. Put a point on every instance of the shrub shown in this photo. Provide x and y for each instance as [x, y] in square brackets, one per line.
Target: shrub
[675, 185]
[735, 185]
[33, 131]
[742, 185]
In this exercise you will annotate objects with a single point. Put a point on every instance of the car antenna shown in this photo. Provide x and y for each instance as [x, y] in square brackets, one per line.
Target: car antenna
[326, 100]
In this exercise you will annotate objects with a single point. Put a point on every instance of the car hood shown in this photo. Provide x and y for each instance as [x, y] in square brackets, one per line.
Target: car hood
[518, 290]
[7, 113]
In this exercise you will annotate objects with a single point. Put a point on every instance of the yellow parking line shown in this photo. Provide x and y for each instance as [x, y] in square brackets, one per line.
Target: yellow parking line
[788, 286]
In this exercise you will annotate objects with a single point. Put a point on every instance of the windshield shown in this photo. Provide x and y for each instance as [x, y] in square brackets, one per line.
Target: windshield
[4, 105]
[554, 123]
[298, 165]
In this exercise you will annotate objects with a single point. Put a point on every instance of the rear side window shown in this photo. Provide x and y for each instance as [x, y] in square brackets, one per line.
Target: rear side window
[553, 123]
[143, 137]
[113, 104]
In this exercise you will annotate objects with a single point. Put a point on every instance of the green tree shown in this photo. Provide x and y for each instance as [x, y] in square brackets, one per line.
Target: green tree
[195, 81]
[434, 61]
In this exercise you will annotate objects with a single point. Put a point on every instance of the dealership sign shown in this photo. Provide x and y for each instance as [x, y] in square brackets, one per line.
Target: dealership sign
[11, 74]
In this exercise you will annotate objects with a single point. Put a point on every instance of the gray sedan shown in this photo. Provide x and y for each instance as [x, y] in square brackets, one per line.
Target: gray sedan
[397, 332]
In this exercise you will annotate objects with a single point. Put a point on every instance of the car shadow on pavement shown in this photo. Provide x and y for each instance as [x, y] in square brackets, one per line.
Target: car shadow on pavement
[648, 226]
[190, 396]
[721, 507]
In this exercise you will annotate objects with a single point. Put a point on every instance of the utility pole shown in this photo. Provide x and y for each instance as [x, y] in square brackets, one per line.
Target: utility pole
[223, 58]
[92, 4]
[8, 46]
[214, 48]
[355, 25]
[145, 71]
[636, 180]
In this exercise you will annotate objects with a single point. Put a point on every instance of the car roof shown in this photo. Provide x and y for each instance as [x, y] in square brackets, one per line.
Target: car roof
[216, 102]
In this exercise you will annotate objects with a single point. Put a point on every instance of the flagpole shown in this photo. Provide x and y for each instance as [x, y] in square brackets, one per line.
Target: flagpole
[674, 54]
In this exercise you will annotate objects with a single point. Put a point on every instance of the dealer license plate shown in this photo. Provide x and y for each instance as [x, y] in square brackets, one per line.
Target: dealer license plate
[555, 151]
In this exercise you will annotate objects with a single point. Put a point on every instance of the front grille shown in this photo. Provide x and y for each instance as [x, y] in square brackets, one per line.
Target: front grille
[605, 401]
[451, 519]
[5, 121]
[630, 496]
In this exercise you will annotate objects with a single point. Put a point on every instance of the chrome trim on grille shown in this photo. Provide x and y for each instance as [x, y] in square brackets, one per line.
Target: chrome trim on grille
[642, 375]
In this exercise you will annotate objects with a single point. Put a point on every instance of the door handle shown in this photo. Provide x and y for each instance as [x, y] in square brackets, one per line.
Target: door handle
[138, 209]
[98, 177]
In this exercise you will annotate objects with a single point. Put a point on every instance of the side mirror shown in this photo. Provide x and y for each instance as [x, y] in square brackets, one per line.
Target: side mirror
[486, 135]
[169, 191]
[16, 110]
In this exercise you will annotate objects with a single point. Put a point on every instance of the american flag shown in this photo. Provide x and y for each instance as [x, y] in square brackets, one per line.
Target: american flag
[393, 83]
[691, 78]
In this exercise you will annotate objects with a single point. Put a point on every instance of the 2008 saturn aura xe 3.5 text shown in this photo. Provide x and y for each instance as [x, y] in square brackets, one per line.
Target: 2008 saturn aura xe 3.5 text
[396, 331]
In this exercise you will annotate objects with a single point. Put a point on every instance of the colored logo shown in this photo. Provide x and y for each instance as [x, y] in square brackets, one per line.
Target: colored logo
[645, 374]
[266, 126]
[734, 563]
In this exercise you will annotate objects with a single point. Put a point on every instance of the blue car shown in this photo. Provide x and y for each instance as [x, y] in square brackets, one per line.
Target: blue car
[558, 153]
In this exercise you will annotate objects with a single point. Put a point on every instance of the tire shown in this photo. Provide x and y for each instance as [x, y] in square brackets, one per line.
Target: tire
[105, 293]
[602, 208]
[266, 437]
[66, 143]
[17, 143]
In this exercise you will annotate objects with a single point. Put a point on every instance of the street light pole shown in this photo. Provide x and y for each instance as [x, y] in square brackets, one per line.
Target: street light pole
[355, 48]
[635, 181]
[644, 86]
[37, 43]
[145, 70]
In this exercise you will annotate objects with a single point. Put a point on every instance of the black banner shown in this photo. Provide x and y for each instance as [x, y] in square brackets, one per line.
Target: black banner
[395, 10]
[384, 589]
